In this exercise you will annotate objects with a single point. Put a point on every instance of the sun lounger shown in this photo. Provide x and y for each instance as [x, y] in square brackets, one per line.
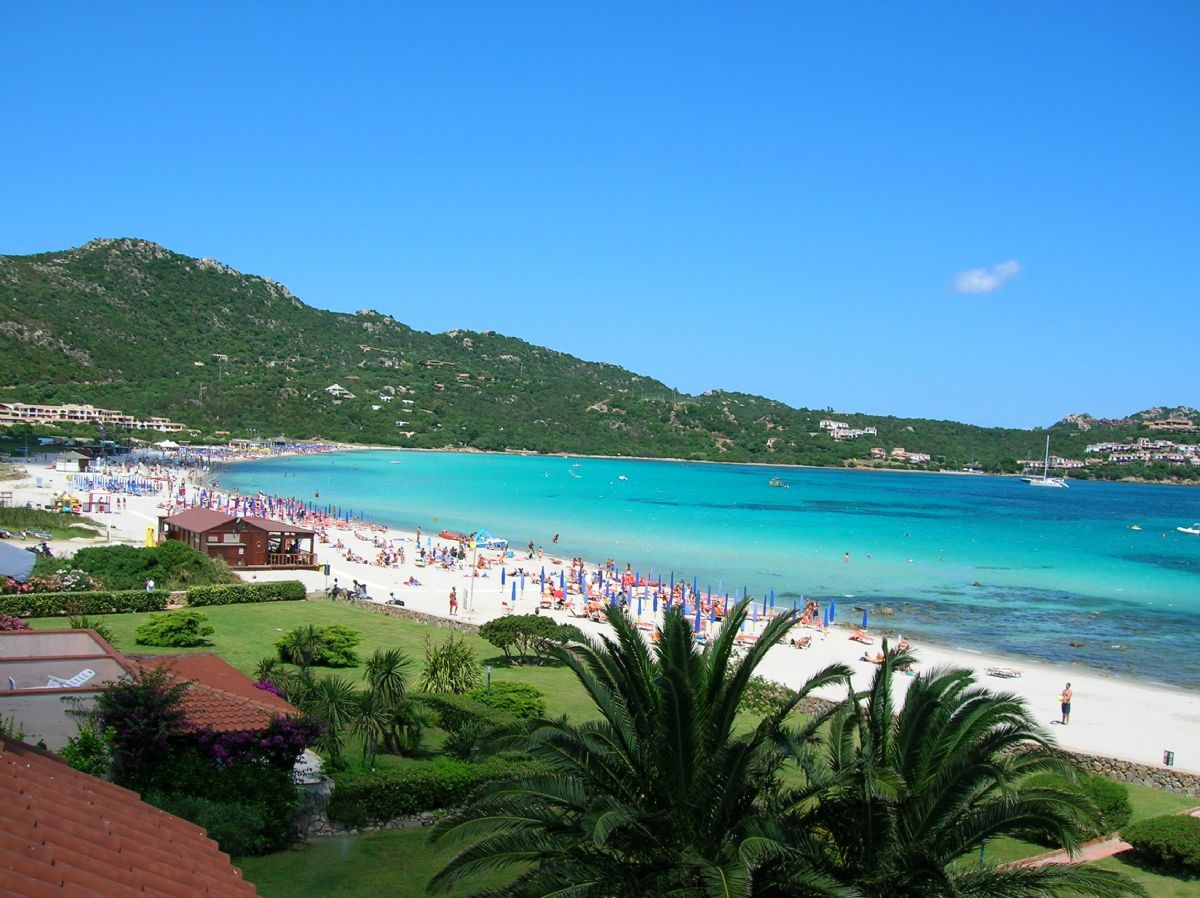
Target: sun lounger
[53, 682]
[860, 636]
[1007, 673]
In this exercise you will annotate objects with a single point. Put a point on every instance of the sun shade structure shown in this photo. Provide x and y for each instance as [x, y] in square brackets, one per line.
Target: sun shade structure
[15, 562]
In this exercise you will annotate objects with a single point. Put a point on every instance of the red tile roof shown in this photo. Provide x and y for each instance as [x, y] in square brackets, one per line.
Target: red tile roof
[64, 833]
[220, 696]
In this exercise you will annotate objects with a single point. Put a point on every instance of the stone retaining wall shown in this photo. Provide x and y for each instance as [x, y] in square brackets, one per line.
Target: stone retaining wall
[419, 617]
[1156, 776]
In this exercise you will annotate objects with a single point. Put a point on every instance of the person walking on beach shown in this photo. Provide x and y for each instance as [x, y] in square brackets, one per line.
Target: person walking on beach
[1065, 699]
[453, 600]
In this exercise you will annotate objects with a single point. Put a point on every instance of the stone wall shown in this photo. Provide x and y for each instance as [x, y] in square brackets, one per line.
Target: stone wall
[410, 614]
[1156, 776]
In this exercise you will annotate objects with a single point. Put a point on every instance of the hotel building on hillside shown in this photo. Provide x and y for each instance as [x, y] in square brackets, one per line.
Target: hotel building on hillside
[71, 413]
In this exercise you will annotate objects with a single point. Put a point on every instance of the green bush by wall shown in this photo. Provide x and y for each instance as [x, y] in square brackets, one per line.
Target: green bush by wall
[50, 604]
[243, 593]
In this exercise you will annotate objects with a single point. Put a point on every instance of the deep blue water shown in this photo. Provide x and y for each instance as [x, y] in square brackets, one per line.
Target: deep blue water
[1054, 567]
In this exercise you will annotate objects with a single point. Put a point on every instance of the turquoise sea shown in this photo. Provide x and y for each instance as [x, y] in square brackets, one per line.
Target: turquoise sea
[1061, 575]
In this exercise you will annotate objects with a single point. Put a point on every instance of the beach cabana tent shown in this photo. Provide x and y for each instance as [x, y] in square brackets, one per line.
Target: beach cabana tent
[15, 563]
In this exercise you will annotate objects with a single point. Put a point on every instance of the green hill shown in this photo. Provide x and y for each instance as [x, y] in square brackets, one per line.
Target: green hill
[130, 325]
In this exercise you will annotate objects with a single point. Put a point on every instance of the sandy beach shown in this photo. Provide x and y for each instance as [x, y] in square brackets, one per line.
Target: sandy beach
[1111, 716]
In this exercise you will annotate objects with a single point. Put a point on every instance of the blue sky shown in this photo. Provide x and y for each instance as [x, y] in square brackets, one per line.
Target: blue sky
[787, 199]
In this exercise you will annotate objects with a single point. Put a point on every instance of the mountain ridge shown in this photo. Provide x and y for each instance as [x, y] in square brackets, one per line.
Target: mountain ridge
[128, 323]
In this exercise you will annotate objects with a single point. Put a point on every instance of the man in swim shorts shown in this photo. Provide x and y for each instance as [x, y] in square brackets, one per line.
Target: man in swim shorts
[1065, 698]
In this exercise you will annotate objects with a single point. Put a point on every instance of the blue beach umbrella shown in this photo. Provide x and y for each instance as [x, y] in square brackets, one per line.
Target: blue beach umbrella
[773, 598]
[696, 622]
[693, 584]
[542, 582]
[522, 579]
[562, 581]
[793, 604]
[514, 592]
[712, 612]
[639, 606]
[864, 626]
[832, 610]
[764, 605]
[672, 581]
[656, 603]
[502, 575]
[754, 611]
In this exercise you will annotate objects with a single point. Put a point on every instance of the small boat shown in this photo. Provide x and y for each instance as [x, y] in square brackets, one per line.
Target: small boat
[778, 481]
[1136, 527]
[1194, 530]
[622, 477]
[1046, 479]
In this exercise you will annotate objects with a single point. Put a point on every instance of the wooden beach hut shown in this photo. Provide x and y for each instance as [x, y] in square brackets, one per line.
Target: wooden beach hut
[246, 542]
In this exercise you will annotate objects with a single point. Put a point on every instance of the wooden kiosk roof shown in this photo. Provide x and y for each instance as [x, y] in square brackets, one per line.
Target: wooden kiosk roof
[201, 520]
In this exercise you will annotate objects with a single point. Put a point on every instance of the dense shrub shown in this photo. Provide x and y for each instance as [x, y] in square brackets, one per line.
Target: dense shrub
[386, 794]
[88, 752]
[175, 629]
[62, 580]
[764, 696]
[331, 646]
[451, 666]
[1171, 843]
[454, 711]
[522, 635]
[243, 593]
[239, 828]
[173, 565]
[518, 699]
[50, 604]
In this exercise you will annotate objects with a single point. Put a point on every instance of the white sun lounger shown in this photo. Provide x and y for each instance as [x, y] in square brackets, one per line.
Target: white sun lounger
[78, 680]
[1008, 673]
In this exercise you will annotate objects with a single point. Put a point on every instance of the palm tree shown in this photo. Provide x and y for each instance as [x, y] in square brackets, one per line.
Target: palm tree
[373, 718]
[658, 797]
[300, 645]
[334, 702]
[894, 801]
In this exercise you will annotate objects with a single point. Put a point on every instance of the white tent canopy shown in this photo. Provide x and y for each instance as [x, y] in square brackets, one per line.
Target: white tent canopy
[167, 444]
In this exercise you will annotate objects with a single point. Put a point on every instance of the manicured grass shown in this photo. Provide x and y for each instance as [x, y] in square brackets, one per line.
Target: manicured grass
[245, 634]
[1156, 884]
[396, 864]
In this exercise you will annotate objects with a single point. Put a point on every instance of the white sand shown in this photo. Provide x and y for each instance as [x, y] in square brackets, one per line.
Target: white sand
[1112, 716]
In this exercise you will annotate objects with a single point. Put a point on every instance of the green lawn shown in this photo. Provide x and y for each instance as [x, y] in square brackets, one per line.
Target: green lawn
[1155, 884]
[396, 864]
[244, 634]
[60, 526]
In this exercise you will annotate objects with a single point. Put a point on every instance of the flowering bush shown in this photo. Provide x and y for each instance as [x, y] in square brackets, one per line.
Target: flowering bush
[11, 587]
[284, 739]
[8, 622]
[72, 580]
[266, 686]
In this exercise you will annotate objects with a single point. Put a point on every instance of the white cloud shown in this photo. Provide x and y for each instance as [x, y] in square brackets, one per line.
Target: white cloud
[984, 280]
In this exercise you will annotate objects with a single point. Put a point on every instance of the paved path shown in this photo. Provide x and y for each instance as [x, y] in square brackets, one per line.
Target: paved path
[1095, 850]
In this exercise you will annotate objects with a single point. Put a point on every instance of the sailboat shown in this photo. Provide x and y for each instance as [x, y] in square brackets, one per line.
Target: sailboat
[1046, 479]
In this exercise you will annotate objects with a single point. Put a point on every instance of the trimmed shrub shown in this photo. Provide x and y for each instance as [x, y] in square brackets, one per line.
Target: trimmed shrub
[51, 604]
[238, 828]
[245, 593]
[520, 636]
[1171, 843]
[175, 629]
[173, 565]
[518, 699]
[331, 646]
[765, 696]
[387, 794]
[455, 711]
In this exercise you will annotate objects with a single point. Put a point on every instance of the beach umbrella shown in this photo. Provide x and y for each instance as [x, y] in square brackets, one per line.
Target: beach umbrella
[764, 605]
[672, 581]
[696, 622]
[542, 581]
[864, 626]
[693, 584]
[793, 604]
[522, 579]
[514, 592]
[754, 611]
[656, 603]
[562, 581]
[726, 604]
[639, 607]
[832, 610]
[773, 600]
[712, 612]
[502, 575]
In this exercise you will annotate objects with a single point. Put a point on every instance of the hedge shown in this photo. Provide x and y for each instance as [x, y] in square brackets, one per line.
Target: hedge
[387, 794]
[244, 593]
[1171, 843]
[518, 699]
[454, 710]
[50, 604]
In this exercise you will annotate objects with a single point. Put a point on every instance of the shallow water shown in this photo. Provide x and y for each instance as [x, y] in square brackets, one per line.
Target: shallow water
[1054, 567]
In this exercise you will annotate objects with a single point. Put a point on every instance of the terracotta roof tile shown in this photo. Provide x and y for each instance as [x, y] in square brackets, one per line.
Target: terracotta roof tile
[220, 696]
[64, 833]
[198, 520]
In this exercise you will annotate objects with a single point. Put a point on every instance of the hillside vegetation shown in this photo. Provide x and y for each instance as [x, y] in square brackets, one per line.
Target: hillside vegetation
[128, 324]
